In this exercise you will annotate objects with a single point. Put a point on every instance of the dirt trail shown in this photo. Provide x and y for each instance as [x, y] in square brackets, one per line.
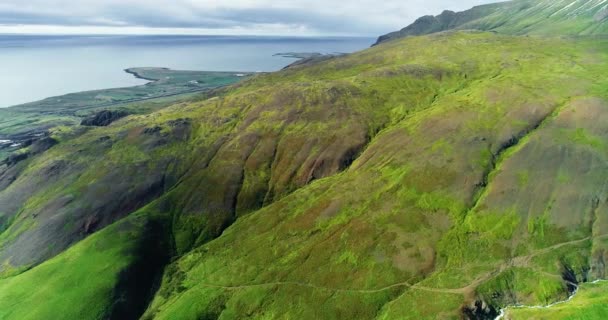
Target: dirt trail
[468, 291]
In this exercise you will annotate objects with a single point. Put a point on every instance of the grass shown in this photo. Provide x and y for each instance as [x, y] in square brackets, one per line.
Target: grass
[545, 18]
[166, 87]
[519, 17]
[78, 284]
[399, 181]
[588, 304]
[336, 233]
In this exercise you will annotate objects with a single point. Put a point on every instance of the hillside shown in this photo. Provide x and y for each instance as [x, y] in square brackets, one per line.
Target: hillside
[443, 176]
[518, 17]
[447, 20]
[22, 124]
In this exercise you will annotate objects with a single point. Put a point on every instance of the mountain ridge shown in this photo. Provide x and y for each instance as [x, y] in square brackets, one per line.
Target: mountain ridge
[447, 20]
[447, 175]
[517, 17]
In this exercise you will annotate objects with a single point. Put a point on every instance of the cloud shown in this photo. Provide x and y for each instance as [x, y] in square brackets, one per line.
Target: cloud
[331, 17]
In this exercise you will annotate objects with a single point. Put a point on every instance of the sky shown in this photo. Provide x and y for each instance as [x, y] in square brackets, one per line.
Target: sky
[223, 17]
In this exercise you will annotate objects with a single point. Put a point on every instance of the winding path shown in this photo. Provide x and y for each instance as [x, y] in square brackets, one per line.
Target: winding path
[520, 261]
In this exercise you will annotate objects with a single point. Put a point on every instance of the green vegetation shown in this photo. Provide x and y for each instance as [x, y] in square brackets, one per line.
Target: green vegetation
[166, 87]
[441, 176]
[588, 304]
[82, 282]
[518, 17]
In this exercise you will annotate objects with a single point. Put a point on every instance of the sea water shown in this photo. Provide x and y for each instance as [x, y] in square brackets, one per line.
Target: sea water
[37, 67]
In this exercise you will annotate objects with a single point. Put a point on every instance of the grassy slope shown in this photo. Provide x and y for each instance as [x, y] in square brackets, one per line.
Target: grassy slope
[402, 226]
[81, 282]
[166, 87]
[418, 225]
[448, 20]
[98, 165]
[588, 304]
[519, 17]
[544, 17]
[237, 151]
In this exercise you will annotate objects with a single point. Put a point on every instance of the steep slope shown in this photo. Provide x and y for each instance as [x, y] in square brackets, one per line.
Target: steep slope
[518, 17]
[213, 162]
[391, 183]
[447, 20]
[589, 303]
[443, 176]
[428, 223]
[81, 283]
[542, 17]
[201, 164]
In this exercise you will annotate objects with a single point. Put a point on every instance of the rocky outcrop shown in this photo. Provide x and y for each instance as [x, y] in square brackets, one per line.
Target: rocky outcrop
[103, 118]
[445, 21]
[601, 15]
[517, 17]
[479, 310]
[34, 147]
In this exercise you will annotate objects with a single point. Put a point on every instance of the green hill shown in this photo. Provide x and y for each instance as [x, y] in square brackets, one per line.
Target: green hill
[447, 20]
[518, 17]
[443, 176]
[590, 303]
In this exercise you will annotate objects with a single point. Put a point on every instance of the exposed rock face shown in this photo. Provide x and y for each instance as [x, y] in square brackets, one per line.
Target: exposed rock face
[36, 147]
[601, 15]
[562, 17]
[480, 311]
[42, 145]
[103, 118]
[445, 21]
[15, 158]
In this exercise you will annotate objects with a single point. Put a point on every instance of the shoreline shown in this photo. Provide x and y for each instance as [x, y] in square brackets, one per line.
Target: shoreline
[137, 72]
[133, 72]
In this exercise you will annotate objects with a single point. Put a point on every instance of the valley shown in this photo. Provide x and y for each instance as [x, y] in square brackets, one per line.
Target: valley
[455, 170]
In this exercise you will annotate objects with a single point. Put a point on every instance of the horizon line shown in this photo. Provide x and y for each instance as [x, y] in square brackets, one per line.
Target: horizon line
[187, 35]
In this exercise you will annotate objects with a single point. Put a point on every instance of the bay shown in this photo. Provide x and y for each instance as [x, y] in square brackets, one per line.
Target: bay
[37, 67]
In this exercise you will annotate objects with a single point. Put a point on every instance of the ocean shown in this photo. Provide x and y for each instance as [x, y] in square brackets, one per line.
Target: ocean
[37, 67]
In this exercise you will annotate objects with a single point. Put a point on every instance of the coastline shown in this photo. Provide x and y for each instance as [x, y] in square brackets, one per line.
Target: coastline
[139, 73]
[239, 54]
[136, 74]
[164, 86]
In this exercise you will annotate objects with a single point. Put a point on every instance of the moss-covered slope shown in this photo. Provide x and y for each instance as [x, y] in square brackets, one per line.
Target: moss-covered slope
[517, 17]
[442, 176]
[476, 197]
[588, 304]
[432, 177]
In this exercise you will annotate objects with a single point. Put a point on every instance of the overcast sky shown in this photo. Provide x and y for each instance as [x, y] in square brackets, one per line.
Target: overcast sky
[264, 17]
